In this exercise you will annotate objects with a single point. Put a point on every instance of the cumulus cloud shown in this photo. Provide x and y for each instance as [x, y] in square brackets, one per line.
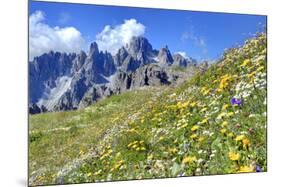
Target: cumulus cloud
[112, 38]
[44, 38]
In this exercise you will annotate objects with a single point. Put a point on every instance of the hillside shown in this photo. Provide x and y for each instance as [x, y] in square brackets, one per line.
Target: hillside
[214, 123]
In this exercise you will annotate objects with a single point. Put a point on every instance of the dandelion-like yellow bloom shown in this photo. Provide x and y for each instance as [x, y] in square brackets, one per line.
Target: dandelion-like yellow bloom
[225, 123]
[233, 156]
[189, 159]
[225, 106]
[245, 169]
[184, 125]
[205, 120]
[201, 139]
[230, 114]
[246, 142]
[245, 63]
[230, 134]
[224, 81]
[150, 157]
[239, 138]
[193, 104]
[193, 136]
[260, 68]
[194, 128]
[206, 92]
[251, 75]
[223, 131]
[172, 150]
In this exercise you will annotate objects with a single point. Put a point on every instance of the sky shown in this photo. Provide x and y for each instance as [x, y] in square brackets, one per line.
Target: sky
[70, 27]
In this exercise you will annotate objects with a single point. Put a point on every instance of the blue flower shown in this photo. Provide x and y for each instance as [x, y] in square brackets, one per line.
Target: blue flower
[258, 169]
[235, 101]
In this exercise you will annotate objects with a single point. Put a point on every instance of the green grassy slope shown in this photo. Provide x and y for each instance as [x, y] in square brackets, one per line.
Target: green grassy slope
[193, 129]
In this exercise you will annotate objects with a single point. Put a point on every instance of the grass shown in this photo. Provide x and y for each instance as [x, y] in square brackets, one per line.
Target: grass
[214, 123]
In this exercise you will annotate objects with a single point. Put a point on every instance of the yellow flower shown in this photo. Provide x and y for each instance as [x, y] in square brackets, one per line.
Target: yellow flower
[118, 154]
[230, 134]
[89, 174]
[201, 139]
[206, 92]
[251, 75]
[205, 120]
[221, 115]
[240, 137]
[183, 126]
[224, 81]
[161, 138]
[150, 157]
[245, 169]
[185, 104]
[203, 89]
[98, 172]
[223, 131]
[193, 136]
[215, 81]
[224, 124]
[203, 109]
[245, 63]
[225, 106]
[194, 128]
[172, 150]
[260, 68]
[193, 104]
[233, 156]
[189, 159]
[246, 142]
[230, 114]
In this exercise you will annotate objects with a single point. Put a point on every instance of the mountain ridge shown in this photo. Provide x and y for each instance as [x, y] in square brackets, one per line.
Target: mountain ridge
[60, 81]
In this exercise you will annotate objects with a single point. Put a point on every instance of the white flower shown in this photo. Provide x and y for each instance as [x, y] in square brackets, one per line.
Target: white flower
[200, 160]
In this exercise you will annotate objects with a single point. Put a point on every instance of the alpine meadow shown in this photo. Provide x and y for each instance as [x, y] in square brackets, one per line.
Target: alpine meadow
[137, 112]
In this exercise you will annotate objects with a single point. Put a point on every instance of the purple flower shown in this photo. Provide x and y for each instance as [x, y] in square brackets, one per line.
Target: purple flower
[258, 169]
[235, 101]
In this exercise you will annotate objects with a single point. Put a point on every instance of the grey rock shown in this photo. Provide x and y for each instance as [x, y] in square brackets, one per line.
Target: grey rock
[164, 56]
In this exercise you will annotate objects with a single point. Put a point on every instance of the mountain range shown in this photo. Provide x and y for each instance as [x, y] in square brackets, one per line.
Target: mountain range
[60, 81]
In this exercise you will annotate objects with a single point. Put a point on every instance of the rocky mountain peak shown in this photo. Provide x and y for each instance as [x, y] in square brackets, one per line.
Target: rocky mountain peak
[94, 50]
[164, 56]
[139, 48]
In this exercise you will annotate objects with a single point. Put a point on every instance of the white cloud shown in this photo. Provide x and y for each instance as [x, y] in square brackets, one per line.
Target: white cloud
[112, 38]
[43, 38]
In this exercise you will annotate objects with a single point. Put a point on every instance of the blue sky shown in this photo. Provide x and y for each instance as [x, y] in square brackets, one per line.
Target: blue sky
[201, 35]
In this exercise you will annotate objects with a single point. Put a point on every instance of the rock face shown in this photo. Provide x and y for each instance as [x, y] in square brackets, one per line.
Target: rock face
[60, 81]
[164, 56]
